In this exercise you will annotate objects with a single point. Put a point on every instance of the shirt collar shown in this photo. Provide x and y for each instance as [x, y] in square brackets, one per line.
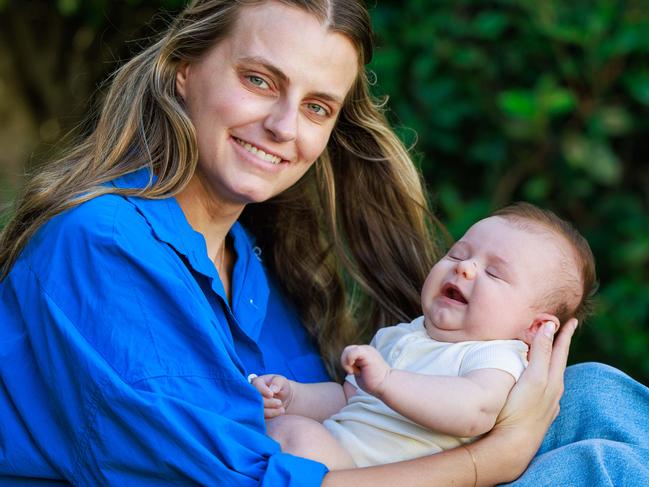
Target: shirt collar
[250, 287]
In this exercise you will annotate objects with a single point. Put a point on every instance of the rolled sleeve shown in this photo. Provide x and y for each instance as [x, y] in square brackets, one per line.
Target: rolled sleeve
[164, 440]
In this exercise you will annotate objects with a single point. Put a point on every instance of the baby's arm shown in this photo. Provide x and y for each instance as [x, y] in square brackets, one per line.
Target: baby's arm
[281, 395]
[459, 406]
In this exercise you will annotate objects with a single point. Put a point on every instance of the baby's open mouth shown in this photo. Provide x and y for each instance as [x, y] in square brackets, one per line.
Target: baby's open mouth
[451, 291]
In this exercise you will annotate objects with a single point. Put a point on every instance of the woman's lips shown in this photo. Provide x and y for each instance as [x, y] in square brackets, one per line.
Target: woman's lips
[256, 151]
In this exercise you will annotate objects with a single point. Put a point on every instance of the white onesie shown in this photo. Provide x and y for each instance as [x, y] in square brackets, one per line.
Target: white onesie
[373, 433]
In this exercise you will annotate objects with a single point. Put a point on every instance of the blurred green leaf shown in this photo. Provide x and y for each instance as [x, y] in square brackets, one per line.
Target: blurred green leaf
[536, 189]
[68, 7]
[469, 57]
[490, 151]
[518, 103]
[632, 38]
[612, 120]
[490, 24]
[636, 252]
[638, 84]
[558, 101]
[593, 157]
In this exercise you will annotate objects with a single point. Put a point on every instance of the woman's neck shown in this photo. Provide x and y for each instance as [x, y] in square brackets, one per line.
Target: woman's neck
[213, 220]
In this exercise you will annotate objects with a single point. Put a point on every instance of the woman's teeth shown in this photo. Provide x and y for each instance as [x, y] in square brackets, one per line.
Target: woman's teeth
[259, 153]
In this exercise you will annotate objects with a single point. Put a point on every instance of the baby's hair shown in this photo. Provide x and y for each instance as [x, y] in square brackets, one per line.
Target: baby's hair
[523, 214]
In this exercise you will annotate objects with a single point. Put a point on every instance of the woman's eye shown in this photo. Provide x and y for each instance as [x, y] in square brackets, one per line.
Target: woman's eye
[317, 109]
[257, 81]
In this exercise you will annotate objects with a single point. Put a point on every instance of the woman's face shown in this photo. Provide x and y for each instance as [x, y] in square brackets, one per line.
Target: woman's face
[265, 100]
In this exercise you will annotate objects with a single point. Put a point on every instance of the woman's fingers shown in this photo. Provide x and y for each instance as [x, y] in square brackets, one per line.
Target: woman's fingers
[554, 386]
[540, 386]
[533, 403]
[561, 349]
[527, 398]
[540, 355]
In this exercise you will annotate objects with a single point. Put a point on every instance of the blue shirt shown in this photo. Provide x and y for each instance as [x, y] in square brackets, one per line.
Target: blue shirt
[122, 362]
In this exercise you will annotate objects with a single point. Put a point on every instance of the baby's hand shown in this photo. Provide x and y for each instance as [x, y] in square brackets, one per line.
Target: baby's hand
[369, 367]
[277, 393]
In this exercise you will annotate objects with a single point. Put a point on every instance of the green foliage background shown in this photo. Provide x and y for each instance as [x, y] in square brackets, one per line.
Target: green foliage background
[542, 101]
[545, 101]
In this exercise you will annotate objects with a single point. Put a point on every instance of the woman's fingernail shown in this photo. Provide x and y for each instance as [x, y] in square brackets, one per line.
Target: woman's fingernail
[549, 328]
[274, 388]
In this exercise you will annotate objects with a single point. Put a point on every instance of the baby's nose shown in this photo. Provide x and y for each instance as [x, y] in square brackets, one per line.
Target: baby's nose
[466, 268]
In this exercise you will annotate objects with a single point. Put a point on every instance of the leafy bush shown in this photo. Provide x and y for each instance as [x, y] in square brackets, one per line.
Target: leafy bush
[539, 101]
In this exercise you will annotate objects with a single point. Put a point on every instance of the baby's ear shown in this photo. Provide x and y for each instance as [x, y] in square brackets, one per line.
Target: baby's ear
[537, 323]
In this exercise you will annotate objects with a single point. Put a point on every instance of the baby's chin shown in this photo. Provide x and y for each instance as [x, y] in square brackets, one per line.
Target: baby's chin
[443, 332]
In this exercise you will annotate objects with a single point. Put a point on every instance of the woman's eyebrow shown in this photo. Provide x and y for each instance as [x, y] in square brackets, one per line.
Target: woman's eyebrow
[265, 63]
[328, 97]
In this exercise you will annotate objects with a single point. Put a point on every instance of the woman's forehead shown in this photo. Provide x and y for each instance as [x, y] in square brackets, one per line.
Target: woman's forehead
[297, 44]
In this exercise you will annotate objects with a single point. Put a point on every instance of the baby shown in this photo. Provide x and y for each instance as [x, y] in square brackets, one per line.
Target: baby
[439, 381]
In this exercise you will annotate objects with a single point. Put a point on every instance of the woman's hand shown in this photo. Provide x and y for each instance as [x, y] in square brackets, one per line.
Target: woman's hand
[533, 403]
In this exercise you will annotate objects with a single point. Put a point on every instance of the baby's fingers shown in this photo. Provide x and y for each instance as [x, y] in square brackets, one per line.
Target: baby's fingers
[277, 383]
[260, 384]
[273, 407]
[348, 359]
[272, 403]
[270, 413]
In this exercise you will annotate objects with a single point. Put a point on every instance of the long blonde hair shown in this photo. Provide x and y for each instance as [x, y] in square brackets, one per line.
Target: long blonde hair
[350, 244]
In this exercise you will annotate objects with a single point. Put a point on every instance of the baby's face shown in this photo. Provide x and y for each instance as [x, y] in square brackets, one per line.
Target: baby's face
[491, 282]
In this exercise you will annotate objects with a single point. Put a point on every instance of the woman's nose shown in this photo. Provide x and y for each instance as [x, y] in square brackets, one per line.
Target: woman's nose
[282, 121]
[466, 268]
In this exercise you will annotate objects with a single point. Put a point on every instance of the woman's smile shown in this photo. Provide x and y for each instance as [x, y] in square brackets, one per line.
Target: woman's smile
[259, 153]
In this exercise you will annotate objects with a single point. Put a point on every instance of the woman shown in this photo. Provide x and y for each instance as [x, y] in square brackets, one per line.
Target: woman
[137, 304]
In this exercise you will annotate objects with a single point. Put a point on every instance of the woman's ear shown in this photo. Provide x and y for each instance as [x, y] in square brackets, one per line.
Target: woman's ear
[181, 78]
[537, 323]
